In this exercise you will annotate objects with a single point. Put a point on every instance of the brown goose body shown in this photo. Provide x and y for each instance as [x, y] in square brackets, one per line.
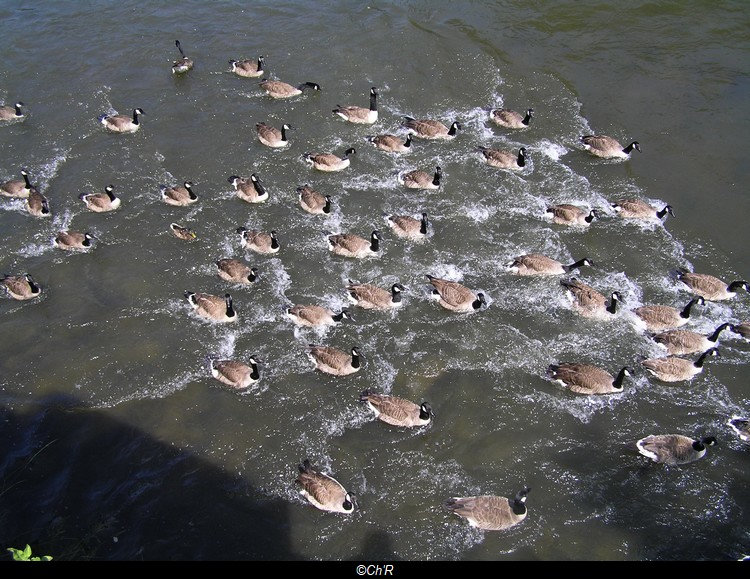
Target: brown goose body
[259, 241]
[183, 64]
[658, 318]
[236, 271]
[456, 297]
[674, 369]
[281, 90]
[588, 302]
[397, 411]
[234, 373]
[178, 196]
[421, 179]
[680, 342]
[710, 287]
[607, 147]
[538, 264]
[587, 379]
[250, 190]
[328, 162]
[360, 115]
[180, 232]
[14, 113]
[391, 143]
[122, 123]
[430, 129]
[271, 136]
[638, 209]
[211, 307]
[673, 449]
[566, 214]
[20, 287]
[17, 188]
[248, 68]
[371, 297]
[490, 513]
[101, 202]
[350, 245]
[37, 204]
[408, 227]
[504, 159]
[322, 491]
[73, 240]
[313, 316]
[334, 361]
[313, 202]
[511, 119]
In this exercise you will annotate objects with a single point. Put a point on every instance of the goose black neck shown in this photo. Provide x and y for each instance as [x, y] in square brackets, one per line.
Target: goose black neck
[26, 180]
[424, 414]
[252, 276]
[86, 242]
[259, 186]
[575, 265]
[395, 296]
[327, 206]
[699, 446]
[338, 317]
[192, 195]
[230, 310]
[663, 212]
[527, 119]
[255, 374]
[590, 217]
[135, 117]
[283, 133]
[518, 506]
[110, 194]
[735, 285]
[620, 377]
[715, 336]
[374, 243]
[407, 142]
[45, 207]
[355, 360]
[477, 303]
[436, 178]
[612, 306]
[423, 225]
[685, 313]
[274, 242]
[453, 129]
[702, 359]
[32, 286]
[521, 161]
[629, 148]
[373, 101]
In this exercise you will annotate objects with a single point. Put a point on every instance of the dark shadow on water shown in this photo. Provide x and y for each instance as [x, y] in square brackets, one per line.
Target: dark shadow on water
[78, 485]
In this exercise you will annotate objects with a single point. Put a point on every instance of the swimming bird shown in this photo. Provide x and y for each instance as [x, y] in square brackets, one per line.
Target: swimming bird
[371, 297]
[350, 245]
[13, 113]
[588, 302]
[674, 449]
[271, 136]
[313, 202]
[607, 147]
[72, 240]
[216, 308]
[323, 491]
[490, 513]
[430, 129]
[360, 115]
[638, 209]
[566, 214]
[587, 379]
[259, 241]
[710, 287]
[179, 195]
[511, 119]
[101, 202]
[408, 227]
[658, 318]
[674, 369]
[420, 179]
[250, 190]
[537, 264]
[181, 232]
[390, 143]
[236, 271]
[329, 162]
[741, 426]
[282, 90]
[17, 188]
[122, 123]
[397, 411]
[37, 204]
[20, 287]
[679, 342]
[504, 159]
[183, 64]
[316, 316]
[333, 361]
[234, 373]
[248, 68]
[456, 297]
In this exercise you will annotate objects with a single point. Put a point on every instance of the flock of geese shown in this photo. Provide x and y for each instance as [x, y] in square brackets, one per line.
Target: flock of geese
[320, 489]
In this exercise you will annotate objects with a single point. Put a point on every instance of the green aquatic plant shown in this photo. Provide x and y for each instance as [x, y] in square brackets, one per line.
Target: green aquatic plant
[25, 555]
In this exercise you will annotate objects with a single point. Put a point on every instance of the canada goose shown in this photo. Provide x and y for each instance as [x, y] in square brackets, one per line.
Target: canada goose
[328, 161]
[741, 426]
[420, 179]
[674, 448]
[371, 297]
[181, 232]
[637, 209]
[679, 342]
[587, 379]
[658, 318]
[710, 287]
[101, 202]
[178, 196]
[607, 147]
[316, 316]
[72, 240]
[271, 136]
[235, 271]
[390, 143]
[17, 188]
[250, 190]
[360, 115]
[184, 64]
[282, 90]
[313, 202]
[589, 302]
[37, 204]
[122, 123]
[456, 297]
[335, 362]
[537, 264]
[248, 68]
[511, 119]
[259, 241]
[408, 227]
[397, 411]
[566, 214]
[490, 513]
[322, 491]
[674, 369]
[234, 373]
[12, 113]
[20, 287]
[216, 308]
[350, 245]
[504, 159]
[742, 329]
[430, 129]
